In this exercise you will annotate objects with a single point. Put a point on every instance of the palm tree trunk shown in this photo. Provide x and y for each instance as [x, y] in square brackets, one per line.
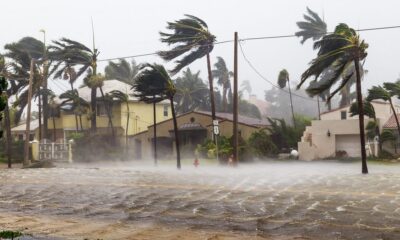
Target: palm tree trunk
[224, 98]
[127, 128]
[54, 128]
[76, 122]
[364, 168]
[154, 133]
[40, 116]
[319, 109]
[8, 134]
[93, 106]
[395, 115]
[108, 110]
[80, 121]
[211, 83]
[291, 104]
[178, 154]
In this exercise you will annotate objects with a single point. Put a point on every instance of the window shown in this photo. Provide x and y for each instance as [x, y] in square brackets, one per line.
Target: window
[343, 115]
[31, 137]
[101, 109]
[165, 110]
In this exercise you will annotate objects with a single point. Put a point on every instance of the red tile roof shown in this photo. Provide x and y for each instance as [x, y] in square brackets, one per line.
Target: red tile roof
[391, 123]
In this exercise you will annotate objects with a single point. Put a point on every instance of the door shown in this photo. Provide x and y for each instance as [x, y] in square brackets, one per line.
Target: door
[350, 144]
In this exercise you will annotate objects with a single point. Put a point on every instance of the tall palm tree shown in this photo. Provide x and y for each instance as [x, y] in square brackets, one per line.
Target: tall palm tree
[154, 84]
[341, 50]
[124, 98]
[67, 54]
[191, 40]
[223, 75]
[313, 27]
[54, 108]
[283, 79]
[385, 93]
[122, 70]
[191, 92]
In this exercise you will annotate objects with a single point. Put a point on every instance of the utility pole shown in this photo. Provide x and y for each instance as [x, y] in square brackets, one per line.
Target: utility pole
[235, 101]
[319, 110]
[28, 116]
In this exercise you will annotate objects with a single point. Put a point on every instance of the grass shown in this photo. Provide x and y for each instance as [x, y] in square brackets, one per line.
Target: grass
[10, 234]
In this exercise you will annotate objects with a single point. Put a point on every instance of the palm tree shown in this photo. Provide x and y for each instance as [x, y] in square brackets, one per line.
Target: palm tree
[123, 97]
[385, 93]
[153, 84]
[54, 108]
[189, 36]
[312, 28]
[191, 92]
[223, 75]
[341, 50]
[283, 79]
[372, 126]
[246, 87]
[388, 136]
[67, 54]
[72, 98]
[123, 71]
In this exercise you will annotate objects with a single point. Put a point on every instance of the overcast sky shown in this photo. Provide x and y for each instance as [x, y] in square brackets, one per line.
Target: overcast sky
[125, 28]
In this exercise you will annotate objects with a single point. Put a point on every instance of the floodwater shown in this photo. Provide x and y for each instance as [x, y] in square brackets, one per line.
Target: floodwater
[290, 200]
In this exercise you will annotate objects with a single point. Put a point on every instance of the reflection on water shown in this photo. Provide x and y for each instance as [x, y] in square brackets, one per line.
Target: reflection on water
[328, 200]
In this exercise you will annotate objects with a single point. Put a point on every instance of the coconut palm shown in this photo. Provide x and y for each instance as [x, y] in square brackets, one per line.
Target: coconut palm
[283, 79]
[68, 54]
[122, 70]
[223, 75]
[191, 92]
[153, 84]
[124, 98]
[54, 108]
[385, 93]
[312, 28]
[341, 50]
[191, 40]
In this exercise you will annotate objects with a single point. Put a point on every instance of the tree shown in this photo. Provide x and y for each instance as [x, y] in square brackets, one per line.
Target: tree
[223, 75]
[54, 108]
[283, 79]
[189, 36]
[123, 71]
[246, 87]
[191, 92]
[261, 144]
[341, 50]
[124, 98]
[72, 98]
[388, 136]
[372, 126]
[67, 54]
[153, 84]
[312, 28]
[385, 93]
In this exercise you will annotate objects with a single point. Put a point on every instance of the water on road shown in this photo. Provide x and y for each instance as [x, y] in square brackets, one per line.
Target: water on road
[291, 200]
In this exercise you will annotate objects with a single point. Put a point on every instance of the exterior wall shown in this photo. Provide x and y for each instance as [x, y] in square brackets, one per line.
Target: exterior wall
[205, 121]
[316, 144]
[141, 116]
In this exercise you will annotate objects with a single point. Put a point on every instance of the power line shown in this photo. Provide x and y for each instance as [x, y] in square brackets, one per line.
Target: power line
[266, 79]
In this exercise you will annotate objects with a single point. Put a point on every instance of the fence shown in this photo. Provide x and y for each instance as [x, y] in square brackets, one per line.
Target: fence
[56, 151]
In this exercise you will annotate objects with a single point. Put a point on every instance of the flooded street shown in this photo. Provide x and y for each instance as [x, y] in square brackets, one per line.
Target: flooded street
[291, 200]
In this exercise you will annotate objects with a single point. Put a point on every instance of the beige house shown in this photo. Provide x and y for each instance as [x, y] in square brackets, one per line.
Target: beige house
[337, 134]
[193, 128]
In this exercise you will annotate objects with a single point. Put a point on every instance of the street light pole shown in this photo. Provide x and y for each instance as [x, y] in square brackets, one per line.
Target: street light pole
[28, 116]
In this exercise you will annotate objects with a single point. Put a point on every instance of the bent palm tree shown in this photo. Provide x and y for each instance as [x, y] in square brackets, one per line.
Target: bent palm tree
[72, 98]
[312, 28]
[341, 50]
[223, 75]
[385, 93]
[189, 36]
[153, 84]
[123, 71]
[68, 53]
[124, 98]
[283, 79]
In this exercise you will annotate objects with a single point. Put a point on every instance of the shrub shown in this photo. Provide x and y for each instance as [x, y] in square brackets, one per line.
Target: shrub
[260, 144]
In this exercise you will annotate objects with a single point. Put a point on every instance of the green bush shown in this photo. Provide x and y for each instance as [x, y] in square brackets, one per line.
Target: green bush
[260, 145]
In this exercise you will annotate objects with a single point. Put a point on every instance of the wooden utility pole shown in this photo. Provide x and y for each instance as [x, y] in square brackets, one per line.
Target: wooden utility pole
[235, 101]
[28, 116]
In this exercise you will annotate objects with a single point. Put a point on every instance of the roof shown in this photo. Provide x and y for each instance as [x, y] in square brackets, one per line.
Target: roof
[241, 119]
[190, 126]
[22, 127]
[262, 105]
[391, 123]
[108, 86]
